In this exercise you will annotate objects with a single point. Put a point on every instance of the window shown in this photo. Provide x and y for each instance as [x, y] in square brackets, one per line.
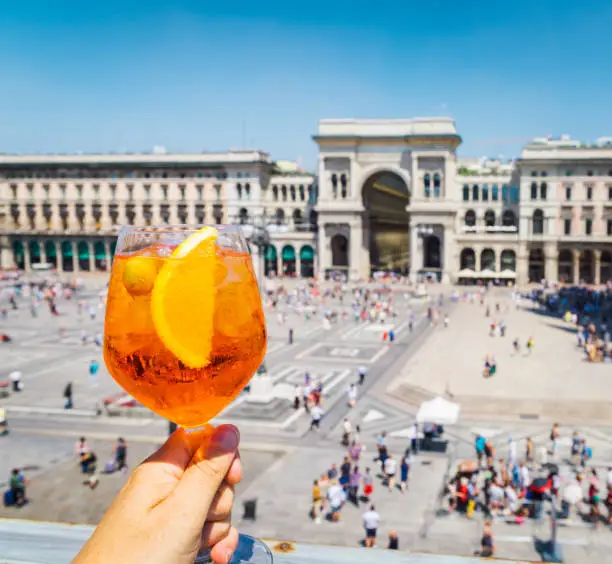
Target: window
[247, 191]
[284, 192]
[96, 190]
[589, 193]
[485, 193]
[218, 191]
[46, 188]
[470, 218]
[568, 193]
[79, 189]
[275, 193]
[239, 191]
[534, 173]
[589, 173]
[164, 189]
[534, 191]
[113, 191]
[588, 226]
[505, 193]
[436, 185]
[475, 192]
[489, 218]
[182, 191]
[200, 191]
[543, 173]
[130, 189]
[292, 191]
[427, 186]
[495, 193]
[343, 185]
[147, 189]
[30, 190]
[14, 191]
[567, 226]
[609, 226]
[301, 190]
[466, 193]
[609, 192]
[543, 191]
[568, 173]
[514, 194]
[538, 222]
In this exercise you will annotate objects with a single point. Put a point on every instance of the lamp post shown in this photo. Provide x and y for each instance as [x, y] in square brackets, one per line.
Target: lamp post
[256, 233]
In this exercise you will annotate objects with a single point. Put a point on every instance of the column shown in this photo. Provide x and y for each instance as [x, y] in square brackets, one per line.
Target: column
[92, 257]
[413, 252]
[414, 172]
[449, 255]
[477, 253]
[551, 266]
[522, 265]
[107, 254]
[597, 276]
[7, 259]
[43, 252]
[322, 252]
[355, 242]
[27, 265]
[75, 258]
[58, 257]
[576, 266]
[298, 263]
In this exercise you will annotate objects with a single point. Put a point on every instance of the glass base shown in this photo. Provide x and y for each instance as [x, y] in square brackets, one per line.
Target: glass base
[249, 551]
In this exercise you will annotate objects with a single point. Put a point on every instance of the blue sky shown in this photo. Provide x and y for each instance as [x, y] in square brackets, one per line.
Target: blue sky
[197, 75]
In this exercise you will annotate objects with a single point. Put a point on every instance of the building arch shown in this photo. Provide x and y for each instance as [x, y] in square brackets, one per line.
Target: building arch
[279, 216]
[288, 258]
[243, 216]
[373, 170]
[605, 267]
[339, 248]
[467, 259]
[100, 257]
[51, 252]
[587, 266]
[432, 256]
[67, 256]
[270, 260]
[538, 222]
[83, 255]
[566, 266]
[489, 218]
[307, 261]
[508, 260]
[509, 218]
[487, 260]
[469, 219]
[34, 248]
[19, 254]
[536, 265]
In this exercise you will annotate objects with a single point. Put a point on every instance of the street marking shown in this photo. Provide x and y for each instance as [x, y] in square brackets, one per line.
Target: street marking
[379, 354]
[308, 350]
[373, 415]
[344, 352]
[336, 381]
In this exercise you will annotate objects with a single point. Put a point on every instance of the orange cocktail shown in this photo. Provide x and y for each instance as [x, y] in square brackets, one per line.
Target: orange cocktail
[184, 330]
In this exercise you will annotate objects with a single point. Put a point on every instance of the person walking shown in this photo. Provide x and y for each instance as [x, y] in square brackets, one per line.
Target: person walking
[381, 445]
[354, 483]
[554, 436]
[346, 432]
[404, 470]
[352, 395]
[317, 502]
[316, 413]
[15, 378]
[371, 521]
[68, 396]
[390, 468]
[362, 371]
[121, 455]
[479, 447]
[368, 484]
[290, 336]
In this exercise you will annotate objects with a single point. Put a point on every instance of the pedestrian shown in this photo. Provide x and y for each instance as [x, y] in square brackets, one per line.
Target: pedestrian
[352, 395]
[297, 397]
[404, 470]
[479, 446]
[554, 436]
[586, 454]
[529, 450]
[414, 438]
[68, 396]
[346, 432]
[368, 484]
[354, 482]
[121, 455]
[17, 487]
[362, 374]
[446, 321]
[336, 497]
[487, 544]
[529, 345]
[290, 336]
[393, 541]
[317, 502]
[371, 521]
[390, 467]
[381, 445]
[355, 451]
[16, 383]
[316, 413]
[516, 346]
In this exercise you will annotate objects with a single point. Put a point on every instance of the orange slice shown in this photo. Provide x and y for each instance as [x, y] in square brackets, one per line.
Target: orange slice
[183, 299]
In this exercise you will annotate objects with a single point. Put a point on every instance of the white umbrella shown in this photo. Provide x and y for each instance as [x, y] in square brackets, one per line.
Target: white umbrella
[572, 493]
[439, 411]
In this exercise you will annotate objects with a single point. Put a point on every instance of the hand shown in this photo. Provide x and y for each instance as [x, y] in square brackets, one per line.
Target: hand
[175, 504]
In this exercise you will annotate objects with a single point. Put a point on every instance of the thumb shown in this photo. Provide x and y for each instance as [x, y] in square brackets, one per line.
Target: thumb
[197, 487]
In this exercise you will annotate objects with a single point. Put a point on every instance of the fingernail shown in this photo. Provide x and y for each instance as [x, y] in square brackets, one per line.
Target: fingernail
[227, 436]
[228, 556]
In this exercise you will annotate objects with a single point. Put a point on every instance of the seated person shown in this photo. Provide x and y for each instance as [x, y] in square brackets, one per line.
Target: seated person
[17, 487]
[88, 462]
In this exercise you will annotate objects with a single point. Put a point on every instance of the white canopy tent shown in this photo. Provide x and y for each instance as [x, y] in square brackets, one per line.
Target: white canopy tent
[438, 411]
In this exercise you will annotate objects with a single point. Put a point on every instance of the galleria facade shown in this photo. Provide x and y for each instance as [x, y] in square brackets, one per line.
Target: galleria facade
[387, 195]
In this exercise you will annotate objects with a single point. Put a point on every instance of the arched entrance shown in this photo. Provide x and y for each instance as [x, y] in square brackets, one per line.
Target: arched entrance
[339, 248]
[306, 261]
[19, 254]
[288, 257]
[34, 248]
[468, 260]
[487, 260]
[605, 268]
[67, 256]
[51, 252]
[431, 252]
[385, 197]
[270, 261]
[566, 268]
[537, 265]
[83, 255]
[587, 266]
[100, 255]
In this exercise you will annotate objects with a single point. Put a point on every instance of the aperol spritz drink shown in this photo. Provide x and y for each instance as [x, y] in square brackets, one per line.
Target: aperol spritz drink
[184, 330]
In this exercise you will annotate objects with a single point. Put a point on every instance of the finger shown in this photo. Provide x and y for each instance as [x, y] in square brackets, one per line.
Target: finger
[181, 446]
[234, 474]
[222, 552]
[221, 507]
[212, 533]
[192, 497]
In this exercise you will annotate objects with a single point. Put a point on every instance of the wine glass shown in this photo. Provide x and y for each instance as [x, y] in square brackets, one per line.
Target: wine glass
[184, 329]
